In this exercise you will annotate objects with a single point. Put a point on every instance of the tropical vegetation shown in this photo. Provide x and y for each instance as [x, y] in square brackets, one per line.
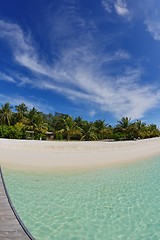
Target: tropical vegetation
[16, 122]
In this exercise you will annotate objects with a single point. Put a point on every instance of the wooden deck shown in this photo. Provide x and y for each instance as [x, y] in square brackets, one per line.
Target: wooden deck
[11, 226]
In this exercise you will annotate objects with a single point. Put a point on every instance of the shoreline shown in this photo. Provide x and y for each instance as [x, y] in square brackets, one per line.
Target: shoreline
[47, 156]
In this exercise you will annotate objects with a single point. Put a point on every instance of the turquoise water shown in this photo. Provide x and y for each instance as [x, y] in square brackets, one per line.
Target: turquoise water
[116, 203]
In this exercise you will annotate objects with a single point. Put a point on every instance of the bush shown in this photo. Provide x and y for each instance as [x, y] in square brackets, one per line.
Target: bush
[12, 132]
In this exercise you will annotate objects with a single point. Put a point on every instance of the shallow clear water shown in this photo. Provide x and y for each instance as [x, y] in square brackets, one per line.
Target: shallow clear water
[115, 203]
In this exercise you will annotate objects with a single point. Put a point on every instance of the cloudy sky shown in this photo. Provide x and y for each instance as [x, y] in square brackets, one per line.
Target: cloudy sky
[99, 59]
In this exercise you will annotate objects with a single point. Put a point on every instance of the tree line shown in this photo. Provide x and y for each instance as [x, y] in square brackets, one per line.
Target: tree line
[15, 121]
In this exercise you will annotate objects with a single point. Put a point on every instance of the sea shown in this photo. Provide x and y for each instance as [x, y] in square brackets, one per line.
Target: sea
[120, 202]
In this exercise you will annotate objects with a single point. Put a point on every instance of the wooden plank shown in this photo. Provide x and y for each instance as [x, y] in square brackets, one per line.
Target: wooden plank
[11, 226]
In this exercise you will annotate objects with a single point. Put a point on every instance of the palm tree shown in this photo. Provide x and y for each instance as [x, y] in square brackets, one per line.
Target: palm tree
[6, 114]
[124, 123]
[22, 111]
[125, 127]
[89, 131]
[40, 126]
[139, 129]
[57, 122]
[79, 121]
[31, 118]
[36, 123]
[101, 129]
[70, 128]
[153, 131]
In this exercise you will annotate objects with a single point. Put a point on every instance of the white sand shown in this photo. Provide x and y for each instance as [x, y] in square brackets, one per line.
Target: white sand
[46, 156]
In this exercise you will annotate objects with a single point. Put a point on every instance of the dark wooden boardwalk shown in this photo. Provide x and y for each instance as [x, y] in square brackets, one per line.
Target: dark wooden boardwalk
[11, 226]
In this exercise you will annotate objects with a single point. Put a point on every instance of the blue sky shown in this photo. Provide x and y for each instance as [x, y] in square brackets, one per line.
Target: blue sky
[95, 58]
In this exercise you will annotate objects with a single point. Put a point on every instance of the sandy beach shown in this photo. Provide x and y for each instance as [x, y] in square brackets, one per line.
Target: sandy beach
[56, 155]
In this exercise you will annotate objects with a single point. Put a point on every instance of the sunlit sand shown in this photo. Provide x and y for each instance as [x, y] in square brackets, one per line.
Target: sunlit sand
[57, 155]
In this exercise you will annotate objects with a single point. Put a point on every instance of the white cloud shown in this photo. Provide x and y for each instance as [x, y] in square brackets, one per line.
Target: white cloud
[149, 13]
[31, 102]
[121, 8]
[92, 113]
[124, 98]
[24, 53]
[116, 56]
[80, 75]
[6, 77]
[19, 42]
[153, 26]
[108, 5]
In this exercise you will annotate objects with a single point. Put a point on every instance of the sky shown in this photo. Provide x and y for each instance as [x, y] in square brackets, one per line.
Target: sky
[98, 59]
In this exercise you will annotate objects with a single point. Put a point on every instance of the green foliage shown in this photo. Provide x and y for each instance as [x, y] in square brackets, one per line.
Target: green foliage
[103, 130]
[70, 128]
[12, 132]
[14, 124]
[6, 114]
[119, 136]
[21, 114]
[125, 130]
[89, 132]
